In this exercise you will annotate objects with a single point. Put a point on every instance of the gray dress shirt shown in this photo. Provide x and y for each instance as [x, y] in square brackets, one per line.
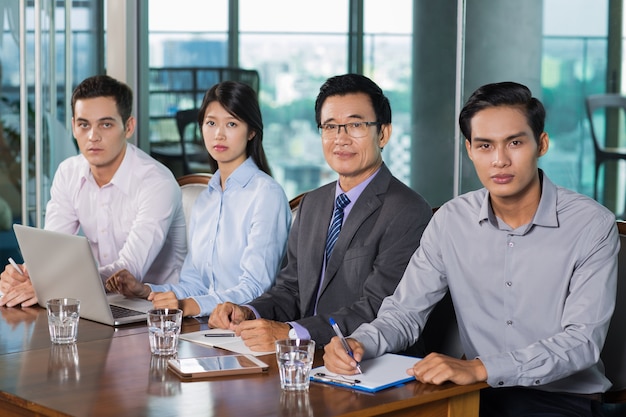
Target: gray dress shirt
[534, 303]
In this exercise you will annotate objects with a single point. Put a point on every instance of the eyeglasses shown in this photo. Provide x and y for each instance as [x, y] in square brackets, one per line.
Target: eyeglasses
[355, 129]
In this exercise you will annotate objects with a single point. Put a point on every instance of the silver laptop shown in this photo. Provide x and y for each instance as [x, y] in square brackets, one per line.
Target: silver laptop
[61, 265]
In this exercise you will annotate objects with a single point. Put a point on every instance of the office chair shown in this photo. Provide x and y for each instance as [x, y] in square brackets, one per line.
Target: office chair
[193, 153]
[294, 205]
[602, 153]
[191, 186]
[614, 352]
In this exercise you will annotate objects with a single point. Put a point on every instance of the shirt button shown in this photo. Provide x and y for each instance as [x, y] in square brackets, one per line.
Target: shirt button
[509, 322]
[500, 383]
[509, 283]
[511, 244]
[537, 382]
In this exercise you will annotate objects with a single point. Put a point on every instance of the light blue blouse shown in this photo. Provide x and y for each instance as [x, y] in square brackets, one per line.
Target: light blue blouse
[237, 240]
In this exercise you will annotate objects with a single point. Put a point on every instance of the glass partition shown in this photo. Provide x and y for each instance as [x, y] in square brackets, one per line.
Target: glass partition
[44, 47]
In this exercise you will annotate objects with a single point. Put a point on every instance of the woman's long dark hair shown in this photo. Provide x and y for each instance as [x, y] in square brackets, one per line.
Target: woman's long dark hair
[241, 101]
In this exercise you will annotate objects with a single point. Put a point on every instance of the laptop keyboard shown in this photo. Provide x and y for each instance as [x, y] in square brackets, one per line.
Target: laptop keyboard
[119, 312]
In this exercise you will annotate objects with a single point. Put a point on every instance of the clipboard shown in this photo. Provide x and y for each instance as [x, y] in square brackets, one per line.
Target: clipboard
[386, 371]
[190, 369]
[222, 339]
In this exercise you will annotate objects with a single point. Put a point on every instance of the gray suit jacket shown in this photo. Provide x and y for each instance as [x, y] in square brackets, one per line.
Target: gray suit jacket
[373, 249]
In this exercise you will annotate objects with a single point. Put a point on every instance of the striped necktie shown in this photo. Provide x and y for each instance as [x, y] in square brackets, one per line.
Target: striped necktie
[335, 226]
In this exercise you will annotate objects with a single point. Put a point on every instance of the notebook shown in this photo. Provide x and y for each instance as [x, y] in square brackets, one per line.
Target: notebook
[386, 371]
[61, 265]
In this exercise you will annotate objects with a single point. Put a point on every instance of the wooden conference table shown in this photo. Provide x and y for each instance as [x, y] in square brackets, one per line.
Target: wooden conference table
[110, 372]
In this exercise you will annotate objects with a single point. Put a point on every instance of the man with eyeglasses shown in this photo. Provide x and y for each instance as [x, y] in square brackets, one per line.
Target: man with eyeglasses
[351, 239]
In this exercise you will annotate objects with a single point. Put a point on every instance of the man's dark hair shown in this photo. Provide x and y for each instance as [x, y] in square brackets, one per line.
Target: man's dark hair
[341, 85]
[105, 86]
[506, 93]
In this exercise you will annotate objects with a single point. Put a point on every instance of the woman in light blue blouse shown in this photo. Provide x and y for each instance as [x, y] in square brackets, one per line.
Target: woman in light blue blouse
[239, 225]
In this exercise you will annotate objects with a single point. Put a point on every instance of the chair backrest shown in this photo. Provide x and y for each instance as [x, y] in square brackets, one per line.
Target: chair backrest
[294, 203]
[191, 186]
[184, 118]
[441, 332]
[614, 352]
[601, 101]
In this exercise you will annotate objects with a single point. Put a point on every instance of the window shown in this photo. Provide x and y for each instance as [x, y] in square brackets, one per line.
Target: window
[388, 61]
[574, 66]
[179, 49]
[294, 55]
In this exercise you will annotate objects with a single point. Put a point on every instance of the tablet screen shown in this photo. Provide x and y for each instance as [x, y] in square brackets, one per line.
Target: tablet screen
[216, 365]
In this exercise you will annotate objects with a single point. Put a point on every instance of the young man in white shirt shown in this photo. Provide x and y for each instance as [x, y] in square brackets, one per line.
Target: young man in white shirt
[531, 268]
[126, 203]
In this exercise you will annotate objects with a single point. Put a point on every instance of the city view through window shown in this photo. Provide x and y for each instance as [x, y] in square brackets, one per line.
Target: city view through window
[294, 57]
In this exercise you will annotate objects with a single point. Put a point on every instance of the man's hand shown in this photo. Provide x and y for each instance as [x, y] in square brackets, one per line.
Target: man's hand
[17, 288]
[124, 282]
[22, 295]
[10, 278]
[260, 334]
[437, 369]
[337, 360]
[228, 315]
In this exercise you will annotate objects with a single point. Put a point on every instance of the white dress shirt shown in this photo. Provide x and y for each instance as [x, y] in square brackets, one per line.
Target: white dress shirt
[134, 222]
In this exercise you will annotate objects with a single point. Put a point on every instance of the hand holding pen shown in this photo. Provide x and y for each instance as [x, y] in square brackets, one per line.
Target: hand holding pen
[16, 287]
[16, 266]
[344, 342]
[13, 275]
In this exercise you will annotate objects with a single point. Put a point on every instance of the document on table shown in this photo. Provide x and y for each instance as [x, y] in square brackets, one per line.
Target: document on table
[388, 370]
[223, 339]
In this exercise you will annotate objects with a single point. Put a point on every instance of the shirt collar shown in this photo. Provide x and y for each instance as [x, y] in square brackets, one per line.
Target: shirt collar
[241, 175]
[85, 171]
[356, 191]
[123, 176]
[546, 214]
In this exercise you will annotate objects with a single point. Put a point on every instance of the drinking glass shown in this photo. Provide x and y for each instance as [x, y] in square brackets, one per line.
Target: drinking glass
[164, 330]
[63, 315]
[295, 360]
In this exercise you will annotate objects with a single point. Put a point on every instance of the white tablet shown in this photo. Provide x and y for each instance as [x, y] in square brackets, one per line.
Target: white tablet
[212, 366]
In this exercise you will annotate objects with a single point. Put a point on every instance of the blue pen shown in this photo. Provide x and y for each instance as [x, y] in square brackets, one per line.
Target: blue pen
[343, 342]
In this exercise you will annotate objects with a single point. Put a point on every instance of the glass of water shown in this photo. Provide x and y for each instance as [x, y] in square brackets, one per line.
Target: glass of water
[295, 360]
[163, 330]
[63, 315]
